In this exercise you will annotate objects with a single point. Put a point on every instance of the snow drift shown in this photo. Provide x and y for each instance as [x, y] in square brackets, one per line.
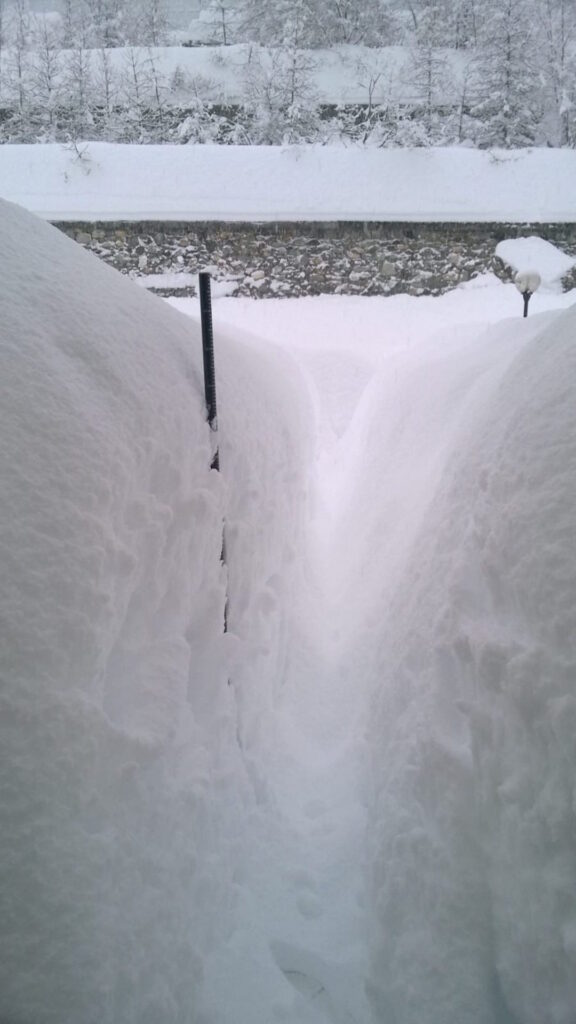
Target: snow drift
[123, 790]
[472, 831]
[178, 850]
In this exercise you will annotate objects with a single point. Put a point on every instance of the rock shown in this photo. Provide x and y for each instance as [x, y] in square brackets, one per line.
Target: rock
[301, 259]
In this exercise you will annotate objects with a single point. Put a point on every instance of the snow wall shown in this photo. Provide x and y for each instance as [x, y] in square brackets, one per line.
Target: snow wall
[124, 792]
[473, 735]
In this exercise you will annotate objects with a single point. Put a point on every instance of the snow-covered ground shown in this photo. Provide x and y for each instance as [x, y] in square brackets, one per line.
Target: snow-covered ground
[101, 181]
[358, 804]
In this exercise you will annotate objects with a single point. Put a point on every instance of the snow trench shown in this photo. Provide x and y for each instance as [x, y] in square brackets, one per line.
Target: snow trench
[357, 805]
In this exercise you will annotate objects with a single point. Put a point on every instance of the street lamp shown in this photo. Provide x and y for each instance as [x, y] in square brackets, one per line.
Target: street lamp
[527, 282]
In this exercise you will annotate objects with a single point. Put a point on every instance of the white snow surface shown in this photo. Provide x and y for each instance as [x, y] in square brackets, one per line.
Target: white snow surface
[358, 804]
[528, 254]
[104, 181]
[445, 527]
[125, 800]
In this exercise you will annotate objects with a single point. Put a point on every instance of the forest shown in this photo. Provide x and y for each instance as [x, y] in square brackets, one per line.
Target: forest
[480, 73]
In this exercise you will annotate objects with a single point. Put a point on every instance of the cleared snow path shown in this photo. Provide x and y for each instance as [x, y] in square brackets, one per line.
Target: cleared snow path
[381, 804]
[403, 387]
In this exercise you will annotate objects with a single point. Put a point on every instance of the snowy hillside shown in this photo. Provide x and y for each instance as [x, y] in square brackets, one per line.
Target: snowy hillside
[98, 181]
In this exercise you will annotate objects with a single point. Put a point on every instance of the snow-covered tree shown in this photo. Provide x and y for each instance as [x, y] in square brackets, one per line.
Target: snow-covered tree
[79, 84]
[143, 90]
[431, 98]
[156, 109]
[224, 17]
[146, 23]
[428, 82]
[370, 22]
[280, 96]
[466, 24]
[76, 24]
[417, 15]
[45, 76]
[285, 22]
[556, 26]
[107, 109]
[135, 84]
[17, 65]
[505, 89]
[108, 22]
[2, 25]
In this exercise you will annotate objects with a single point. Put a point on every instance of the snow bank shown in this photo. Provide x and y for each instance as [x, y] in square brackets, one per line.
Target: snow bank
[102, 181]
[124, 790]
[473, 730]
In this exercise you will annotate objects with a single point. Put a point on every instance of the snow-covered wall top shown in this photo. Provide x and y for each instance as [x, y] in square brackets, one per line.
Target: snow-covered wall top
[109, 182]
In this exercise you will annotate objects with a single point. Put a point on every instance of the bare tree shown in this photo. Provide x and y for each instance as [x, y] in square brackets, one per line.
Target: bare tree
[157, 108]
[2, 16]
[152, 20]
[79, 84]
[18, 67]
[135, 86]
[107, 22]
[46, 74]
[225, 19]
[106, 87]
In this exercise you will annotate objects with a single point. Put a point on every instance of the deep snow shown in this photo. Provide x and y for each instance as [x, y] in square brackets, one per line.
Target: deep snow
[474, 767]
[103, 181]
[125, 800]
[358, 804]
[444, 528]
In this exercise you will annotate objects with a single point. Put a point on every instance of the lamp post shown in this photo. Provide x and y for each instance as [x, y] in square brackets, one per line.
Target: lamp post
[527, 282]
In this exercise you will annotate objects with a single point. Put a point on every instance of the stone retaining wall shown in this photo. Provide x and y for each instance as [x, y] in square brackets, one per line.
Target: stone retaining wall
[291, 259]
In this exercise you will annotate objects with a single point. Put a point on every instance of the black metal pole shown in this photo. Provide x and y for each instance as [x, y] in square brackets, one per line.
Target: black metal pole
[210, 388]
[526, 296]
[208, 355]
